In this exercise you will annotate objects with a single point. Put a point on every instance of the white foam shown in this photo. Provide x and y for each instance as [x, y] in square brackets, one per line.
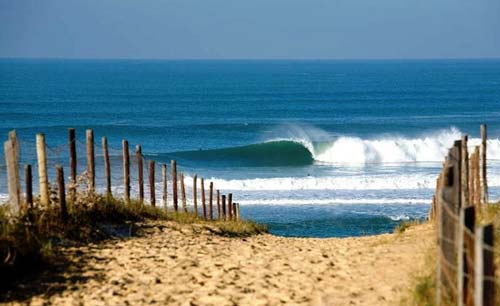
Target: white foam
[355, 182]
[355, 150]
[292, 201]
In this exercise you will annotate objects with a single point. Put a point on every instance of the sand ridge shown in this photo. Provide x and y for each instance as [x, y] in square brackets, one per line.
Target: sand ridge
[171, 264]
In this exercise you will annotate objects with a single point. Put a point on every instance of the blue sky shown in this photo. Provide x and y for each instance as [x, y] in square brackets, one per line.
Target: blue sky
[250, 29]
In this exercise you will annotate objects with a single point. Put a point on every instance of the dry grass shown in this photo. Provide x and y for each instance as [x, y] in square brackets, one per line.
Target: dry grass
[32, 240]
[424, 292]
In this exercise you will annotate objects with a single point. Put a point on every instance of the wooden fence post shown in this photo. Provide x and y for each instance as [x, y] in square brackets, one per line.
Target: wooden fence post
[62, 193]
[211, 202]
[238, 212]
[484, 182]
[465, 171]
[218, 205]
[15, 146]
[477, 180]
[152, 190]
[465, 252]
[195, 195]
[28, 179]
[107, 166]
[448, 211]
[183, 193]
[126, 170]
[72, 162]
[90, 160]
[230, 206]
[485, 268]
[203, 202]
[234, 212]
[14, 199]
[140, 170]
[164, 189]
[223, 207]
[173, 165]
[42, 169]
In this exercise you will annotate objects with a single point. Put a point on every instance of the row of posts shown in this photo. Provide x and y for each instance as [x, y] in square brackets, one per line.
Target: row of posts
[465, 266]
[227, 210]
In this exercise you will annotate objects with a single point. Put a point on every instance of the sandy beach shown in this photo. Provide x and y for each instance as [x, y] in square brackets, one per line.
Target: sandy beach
[172, 264]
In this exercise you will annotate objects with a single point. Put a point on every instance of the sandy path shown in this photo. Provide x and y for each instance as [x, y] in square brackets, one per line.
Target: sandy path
[182, 265]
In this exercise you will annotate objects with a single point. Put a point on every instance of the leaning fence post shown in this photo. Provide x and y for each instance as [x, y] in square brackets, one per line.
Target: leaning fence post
[174, 184]
[183, 193]
[465, 252]
[485, 268]
[164, 189]
[152, 190]
[28, 180]
[107, 166]
[72, 162]
[484, 182]
[126, 170]
[42, 169]
[14, 199]
[203, 202]
[90, 160]
[140, 174]
[195, 195]
[62, 193]
[211, 202]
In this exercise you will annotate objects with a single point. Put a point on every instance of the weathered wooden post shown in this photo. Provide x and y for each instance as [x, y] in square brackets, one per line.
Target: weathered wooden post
[484, 182]
[140, 172]
[195, 195]
[42, 169]
[238, 212]
[90, 160]
[164, 186]
[234, 212]
[223, 208]
[485, 268]
[15, 146]
[203, 202]
[10, 160]
[152, 190]
[183, 193]
[477, 179]
[211, 202]
[230, 206]
[465, 252]
[107, 166]
[62, 193]
[218, 205]
[126, 170]
[465, 171]
[72, 162]
[449, 209]
[173, 165]
[28, 180]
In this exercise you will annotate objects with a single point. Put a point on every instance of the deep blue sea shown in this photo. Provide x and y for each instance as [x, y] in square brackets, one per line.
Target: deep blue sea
[311, 148]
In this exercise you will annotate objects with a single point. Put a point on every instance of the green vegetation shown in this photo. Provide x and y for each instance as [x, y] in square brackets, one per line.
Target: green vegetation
[424, 290]
[31, 240]
[403, 226]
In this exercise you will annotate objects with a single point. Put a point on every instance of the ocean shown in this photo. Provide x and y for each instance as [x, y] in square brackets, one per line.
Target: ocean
[310, 148]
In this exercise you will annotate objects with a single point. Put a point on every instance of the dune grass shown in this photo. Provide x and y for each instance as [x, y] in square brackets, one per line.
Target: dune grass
[424, 290]
[32, 239]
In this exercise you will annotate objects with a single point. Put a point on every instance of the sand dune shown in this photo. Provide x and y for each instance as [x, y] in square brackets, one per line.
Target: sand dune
[174, 264]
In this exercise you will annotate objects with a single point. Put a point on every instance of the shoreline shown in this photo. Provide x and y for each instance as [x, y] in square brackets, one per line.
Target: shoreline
[187, 264]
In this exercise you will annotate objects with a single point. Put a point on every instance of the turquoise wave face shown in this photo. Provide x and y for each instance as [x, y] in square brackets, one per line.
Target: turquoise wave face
[273, 153]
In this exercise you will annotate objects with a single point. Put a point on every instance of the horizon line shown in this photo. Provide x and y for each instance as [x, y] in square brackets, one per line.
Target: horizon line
[251, 59]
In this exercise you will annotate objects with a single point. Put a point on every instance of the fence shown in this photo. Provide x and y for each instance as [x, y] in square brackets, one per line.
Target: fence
[465, 265]
[112, 184]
